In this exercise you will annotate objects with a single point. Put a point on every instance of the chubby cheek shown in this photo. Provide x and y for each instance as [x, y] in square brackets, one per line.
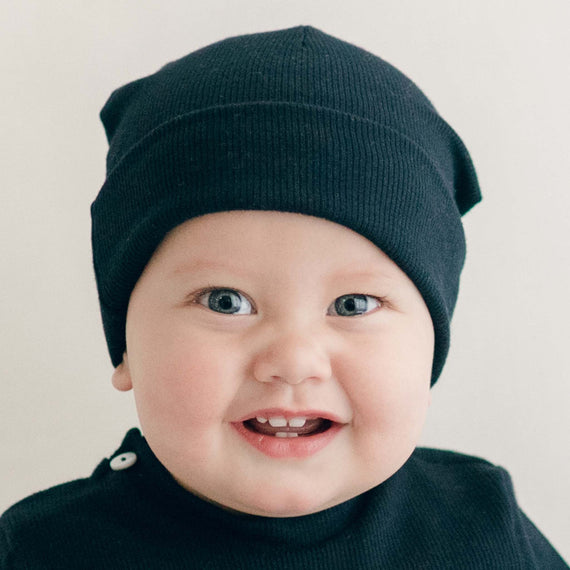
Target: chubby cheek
[183, 387]
[389, 394]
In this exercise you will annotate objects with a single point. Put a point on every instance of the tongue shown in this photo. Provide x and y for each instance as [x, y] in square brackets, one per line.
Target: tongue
[311, 427]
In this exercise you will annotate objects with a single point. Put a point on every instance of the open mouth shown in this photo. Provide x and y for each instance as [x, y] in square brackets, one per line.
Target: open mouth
[279, 426]
[284, 435]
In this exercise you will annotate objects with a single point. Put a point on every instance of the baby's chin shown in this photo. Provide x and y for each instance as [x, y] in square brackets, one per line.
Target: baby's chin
[285, 503]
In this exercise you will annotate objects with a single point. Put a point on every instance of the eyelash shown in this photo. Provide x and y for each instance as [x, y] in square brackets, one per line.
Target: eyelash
[198, 298]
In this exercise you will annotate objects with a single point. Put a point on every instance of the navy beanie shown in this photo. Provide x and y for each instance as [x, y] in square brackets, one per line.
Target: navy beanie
[292, 120]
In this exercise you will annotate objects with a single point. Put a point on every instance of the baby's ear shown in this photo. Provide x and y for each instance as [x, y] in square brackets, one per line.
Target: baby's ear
[122, 376]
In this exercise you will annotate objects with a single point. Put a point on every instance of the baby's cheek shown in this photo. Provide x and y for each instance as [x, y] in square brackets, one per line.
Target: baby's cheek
[188, 392]
[389, 397]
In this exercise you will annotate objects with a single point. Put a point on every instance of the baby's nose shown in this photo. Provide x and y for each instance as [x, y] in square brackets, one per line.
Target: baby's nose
[292, 358]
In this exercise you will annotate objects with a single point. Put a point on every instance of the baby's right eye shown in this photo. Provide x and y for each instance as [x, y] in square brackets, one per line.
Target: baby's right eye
[225, 301]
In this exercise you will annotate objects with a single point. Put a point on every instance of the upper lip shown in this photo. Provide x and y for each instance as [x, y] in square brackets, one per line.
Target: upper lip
[288, 414]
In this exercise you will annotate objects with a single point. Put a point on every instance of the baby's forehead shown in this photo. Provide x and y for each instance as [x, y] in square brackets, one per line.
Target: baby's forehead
[252, 242]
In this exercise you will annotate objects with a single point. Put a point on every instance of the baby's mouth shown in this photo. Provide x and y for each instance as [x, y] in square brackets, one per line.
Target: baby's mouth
[285, 434]
[279, 426]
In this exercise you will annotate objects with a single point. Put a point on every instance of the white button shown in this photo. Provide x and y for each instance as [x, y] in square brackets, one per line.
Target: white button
[123, 461]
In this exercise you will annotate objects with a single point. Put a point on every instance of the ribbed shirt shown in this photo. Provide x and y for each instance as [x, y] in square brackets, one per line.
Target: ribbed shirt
[441, 510]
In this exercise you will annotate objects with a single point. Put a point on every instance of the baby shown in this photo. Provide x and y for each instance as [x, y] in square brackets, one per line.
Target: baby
[277, 248]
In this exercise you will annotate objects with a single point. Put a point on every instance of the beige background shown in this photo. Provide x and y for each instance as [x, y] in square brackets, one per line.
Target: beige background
[496, 69]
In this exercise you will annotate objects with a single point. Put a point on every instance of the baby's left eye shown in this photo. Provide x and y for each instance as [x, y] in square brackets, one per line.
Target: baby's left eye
[353, 305]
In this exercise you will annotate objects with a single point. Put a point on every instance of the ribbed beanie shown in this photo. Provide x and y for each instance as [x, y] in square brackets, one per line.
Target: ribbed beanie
[292, 120]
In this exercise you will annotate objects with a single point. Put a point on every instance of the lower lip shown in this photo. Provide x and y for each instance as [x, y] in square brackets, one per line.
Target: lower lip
[286, 447]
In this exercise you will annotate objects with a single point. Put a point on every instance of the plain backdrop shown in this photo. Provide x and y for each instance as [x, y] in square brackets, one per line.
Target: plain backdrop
[497, 70]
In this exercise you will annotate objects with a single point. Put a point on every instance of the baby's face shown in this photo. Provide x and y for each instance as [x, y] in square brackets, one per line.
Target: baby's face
[280, 363]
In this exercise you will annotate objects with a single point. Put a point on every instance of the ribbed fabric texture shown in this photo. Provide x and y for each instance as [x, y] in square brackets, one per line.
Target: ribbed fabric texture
[293, 120]
[441, 510]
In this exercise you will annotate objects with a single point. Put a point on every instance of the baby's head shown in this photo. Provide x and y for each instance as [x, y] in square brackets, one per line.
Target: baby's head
[277, 249]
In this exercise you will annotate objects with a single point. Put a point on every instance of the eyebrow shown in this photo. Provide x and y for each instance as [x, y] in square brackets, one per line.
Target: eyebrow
[368, 275]
[342, 274]
[205, 264]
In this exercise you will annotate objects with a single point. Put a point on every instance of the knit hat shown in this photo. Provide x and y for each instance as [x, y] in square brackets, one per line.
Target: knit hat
[293, 120]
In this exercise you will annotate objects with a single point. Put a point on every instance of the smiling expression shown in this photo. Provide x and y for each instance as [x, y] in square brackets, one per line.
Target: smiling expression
[280, 363]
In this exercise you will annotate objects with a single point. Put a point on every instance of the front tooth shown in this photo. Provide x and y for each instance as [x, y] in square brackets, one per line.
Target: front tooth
[297, 422]
[277, 422]
[261, 420]
[281, 434]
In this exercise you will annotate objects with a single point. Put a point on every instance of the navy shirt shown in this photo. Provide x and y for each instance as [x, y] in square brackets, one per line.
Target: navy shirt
[440, 510]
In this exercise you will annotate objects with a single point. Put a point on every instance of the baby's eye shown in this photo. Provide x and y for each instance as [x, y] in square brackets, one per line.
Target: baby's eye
[353, 305]
[226, 301]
